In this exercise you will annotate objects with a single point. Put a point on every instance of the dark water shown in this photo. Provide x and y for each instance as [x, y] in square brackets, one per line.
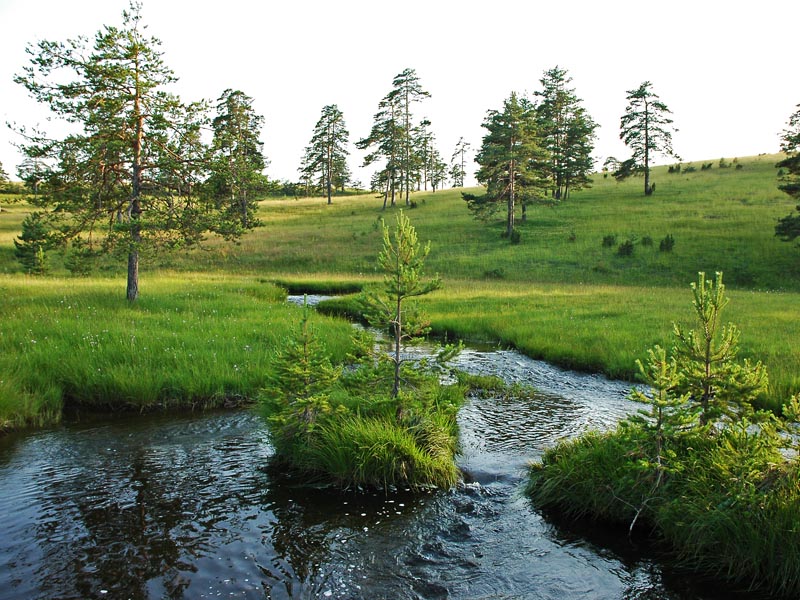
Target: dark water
[184, 507]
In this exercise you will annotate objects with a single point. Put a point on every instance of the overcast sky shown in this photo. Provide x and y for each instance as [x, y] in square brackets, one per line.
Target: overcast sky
[727, 70]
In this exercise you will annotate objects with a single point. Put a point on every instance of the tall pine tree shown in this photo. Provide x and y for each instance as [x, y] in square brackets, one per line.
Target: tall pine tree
[646, 129]
[238, 159]
[406, 91]
[567, 133]
[458, 162]
[326, 154]
[132, 166]
[392, 136]
[509, 160]
[385, 143]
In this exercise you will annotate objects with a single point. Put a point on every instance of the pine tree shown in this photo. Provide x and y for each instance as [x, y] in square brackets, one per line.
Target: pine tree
[326, 155]
[646, 129]
[237, 155]
[458, 168]
[788, 227]
[509, 161]
[386, 139]
[402, 261]
[135, 161]
[297, 393]
[567, 133]
[709, 374]
[407, 91]
[392, 136]
[31, 247]
[670, 414]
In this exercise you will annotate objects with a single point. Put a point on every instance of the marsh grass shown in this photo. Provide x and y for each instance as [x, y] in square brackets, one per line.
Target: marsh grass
[190, 342]
[729, 507]
[360, 451]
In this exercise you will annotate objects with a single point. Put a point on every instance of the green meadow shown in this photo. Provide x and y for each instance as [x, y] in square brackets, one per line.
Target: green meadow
[559, 294]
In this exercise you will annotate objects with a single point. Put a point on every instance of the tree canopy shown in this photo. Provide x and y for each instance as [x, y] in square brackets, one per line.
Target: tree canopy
[130, 173]
[567, 133]
[788, 228]
[509, 159]
[325, 156]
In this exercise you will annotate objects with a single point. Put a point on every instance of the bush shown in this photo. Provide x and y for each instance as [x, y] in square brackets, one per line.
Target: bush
[80, 258]
[690, 168]
[667, 244]
[625, 248]
[647, 241]
[609, 240]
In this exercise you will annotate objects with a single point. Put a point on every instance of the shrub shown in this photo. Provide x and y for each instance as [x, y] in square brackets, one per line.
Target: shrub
[609, 240]
[647, 241]
[690, 168]
[625, 248]
[667, 243]
[80, 258]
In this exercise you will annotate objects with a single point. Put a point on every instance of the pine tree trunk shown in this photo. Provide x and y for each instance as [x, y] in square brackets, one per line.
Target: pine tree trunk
[398, 334]
[511, 208]
[133, 275]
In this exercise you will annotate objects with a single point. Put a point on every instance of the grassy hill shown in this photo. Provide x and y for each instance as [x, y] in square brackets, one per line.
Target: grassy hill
[721, 220]
[559, 294]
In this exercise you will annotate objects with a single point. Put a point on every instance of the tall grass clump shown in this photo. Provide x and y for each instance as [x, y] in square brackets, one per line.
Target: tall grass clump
[699, 468]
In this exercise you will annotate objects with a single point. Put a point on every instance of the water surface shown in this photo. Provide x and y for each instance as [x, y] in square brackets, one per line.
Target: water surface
[186, 507]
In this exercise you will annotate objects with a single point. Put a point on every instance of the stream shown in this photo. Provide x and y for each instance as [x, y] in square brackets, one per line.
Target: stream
[186, 507]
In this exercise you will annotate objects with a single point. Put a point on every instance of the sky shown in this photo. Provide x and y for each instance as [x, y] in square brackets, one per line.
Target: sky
[726, 70]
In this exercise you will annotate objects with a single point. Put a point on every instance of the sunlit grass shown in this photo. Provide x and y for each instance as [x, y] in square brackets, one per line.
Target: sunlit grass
[197, 341]
[558, 295]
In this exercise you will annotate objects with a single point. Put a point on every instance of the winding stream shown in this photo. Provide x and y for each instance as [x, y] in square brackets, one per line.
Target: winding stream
[183, 507]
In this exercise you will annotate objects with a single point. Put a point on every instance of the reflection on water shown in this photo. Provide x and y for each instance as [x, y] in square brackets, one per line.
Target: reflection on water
[187, 507]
